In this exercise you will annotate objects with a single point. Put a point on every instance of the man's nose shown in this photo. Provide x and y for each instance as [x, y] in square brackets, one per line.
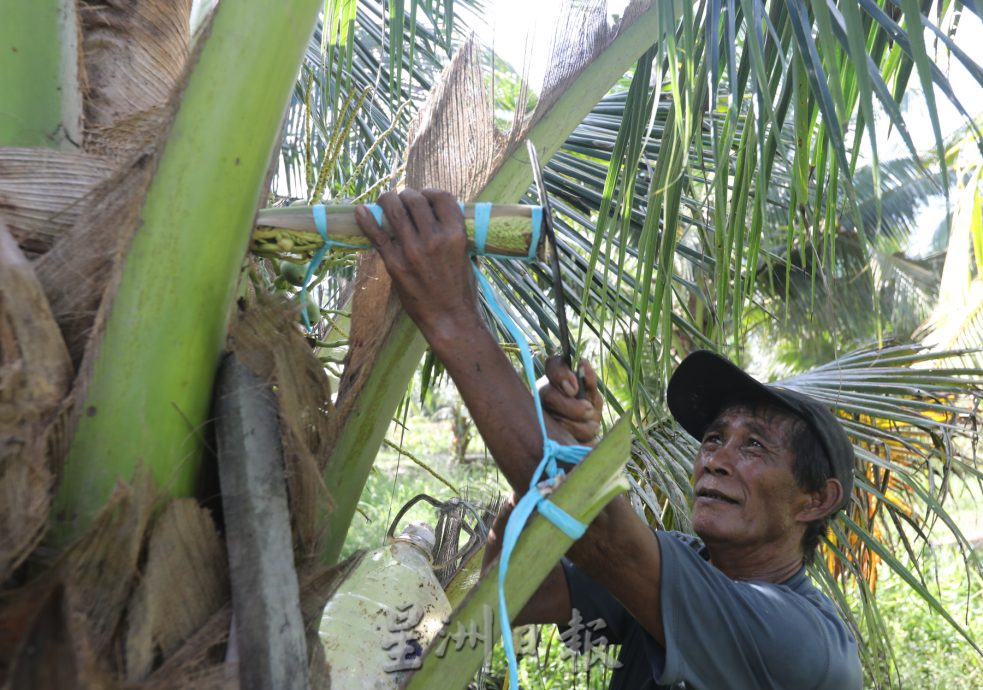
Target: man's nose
[721, 460]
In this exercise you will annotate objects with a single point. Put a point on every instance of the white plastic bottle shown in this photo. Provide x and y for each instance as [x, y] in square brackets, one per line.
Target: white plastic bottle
[384, 615]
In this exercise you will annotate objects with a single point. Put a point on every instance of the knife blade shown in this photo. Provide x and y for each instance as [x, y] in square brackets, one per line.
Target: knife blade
[559, 299]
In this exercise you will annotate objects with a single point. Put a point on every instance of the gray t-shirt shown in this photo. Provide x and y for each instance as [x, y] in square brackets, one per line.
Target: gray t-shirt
[722, 633]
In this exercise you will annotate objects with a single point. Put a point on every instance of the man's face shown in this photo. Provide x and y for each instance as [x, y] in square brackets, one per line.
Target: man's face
[746, 494]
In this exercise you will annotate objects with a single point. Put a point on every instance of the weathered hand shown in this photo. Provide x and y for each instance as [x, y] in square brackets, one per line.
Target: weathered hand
[427, 259]
[580, 417]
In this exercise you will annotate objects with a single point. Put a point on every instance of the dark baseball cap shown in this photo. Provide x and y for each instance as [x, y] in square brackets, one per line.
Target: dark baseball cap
[705, 384]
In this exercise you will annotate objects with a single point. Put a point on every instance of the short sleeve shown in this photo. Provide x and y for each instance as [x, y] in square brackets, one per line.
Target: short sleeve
[725, 633]
[591, 602]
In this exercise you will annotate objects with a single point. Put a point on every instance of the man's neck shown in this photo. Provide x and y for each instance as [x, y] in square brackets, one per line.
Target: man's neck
[764, 564]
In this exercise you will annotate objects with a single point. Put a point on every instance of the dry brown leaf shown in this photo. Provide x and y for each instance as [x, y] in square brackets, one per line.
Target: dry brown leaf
[35, 376]
[43, 192]
[185, 582]
[100, 570]
[133, 55]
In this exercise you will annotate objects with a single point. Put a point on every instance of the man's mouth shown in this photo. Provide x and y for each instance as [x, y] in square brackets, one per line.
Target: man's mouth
[712, 495]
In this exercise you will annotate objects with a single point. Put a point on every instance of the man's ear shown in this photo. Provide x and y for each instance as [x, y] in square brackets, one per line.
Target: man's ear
[822, 502]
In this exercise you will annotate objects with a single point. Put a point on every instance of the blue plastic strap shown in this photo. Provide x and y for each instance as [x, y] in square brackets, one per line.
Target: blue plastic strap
[534, 498]
[568, 524]
[376, 210]
[482, 218]
[320, 214]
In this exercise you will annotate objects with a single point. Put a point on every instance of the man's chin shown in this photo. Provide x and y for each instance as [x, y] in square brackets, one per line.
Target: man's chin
[711, 528]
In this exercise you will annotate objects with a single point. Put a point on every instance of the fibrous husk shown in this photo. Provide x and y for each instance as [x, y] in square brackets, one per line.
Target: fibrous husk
[48, 655]
[208, 661]
[43, 192]
[201, 662]
[267, 340]
[581, 34]
[35, 376]
[185, 582]
[133, 53]
[452, 139]
[70, 617]
[129, 136]
[101, 569]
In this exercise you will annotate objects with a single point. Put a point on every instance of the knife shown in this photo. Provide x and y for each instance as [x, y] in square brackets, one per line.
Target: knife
[559, 300]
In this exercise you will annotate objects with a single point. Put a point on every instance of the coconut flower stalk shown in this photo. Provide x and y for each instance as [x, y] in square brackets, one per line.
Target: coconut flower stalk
[290, 232]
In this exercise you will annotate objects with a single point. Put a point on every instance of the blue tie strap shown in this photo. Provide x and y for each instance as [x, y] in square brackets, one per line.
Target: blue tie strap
[320, 214]
[536, 498]
[536, 220]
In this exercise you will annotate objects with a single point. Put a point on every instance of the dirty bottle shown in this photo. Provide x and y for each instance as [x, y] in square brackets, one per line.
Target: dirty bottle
[386, 612]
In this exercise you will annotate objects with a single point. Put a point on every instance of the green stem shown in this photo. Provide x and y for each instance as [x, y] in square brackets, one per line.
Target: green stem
[151, 384]
[42, 103]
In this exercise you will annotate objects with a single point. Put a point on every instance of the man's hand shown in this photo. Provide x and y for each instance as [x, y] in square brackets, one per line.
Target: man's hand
[427, 259]
[579, 416]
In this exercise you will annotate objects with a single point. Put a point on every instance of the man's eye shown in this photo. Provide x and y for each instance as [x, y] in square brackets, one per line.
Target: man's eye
[711, 439]
[754, 443]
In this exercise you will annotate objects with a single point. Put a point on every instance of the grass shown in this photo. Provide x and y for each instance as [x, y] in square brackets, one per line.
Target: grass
[929, 654]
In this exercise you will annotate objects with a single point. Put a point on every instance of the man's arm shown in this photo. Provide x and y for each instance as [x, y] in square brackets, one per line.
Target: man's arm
[551, 602]
[581, 417]
[427, 260]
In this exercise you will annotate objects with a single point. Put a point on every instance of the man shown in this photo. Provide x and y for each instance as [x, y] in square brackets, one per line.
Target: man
[734, 610]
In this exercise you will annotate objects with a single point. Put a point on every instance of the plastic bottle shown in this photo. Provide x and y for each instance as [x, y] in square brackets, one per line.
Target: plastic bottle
[376, 626]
